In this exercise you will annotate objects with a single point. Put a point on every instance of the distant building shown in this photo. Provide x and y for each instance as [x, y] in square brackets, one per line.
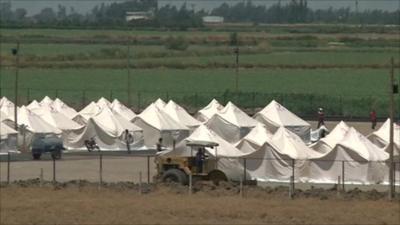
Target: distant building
[131, 16]
[213, 19]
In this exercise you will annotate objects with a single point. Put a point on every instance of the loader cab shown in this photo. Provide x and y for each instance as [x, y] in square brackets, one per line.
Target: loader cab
[178, 168]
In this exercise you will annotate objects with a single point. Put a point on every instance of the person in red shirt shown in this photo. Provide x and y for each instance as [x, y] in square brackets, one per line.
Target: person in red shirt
[321, 117]
[372, 116]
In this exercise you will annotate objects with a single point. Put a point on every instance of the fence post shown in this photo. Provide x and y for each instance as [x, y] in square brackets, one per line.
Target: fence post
[83, 98]
[293, 163]
[253, 97]
[54, 170]
[343, 189]
[100, 169]
[28, 95]
[196, 101]
[8, 167]
[190, 184]
[140, 182]
[291, 189]
[244, 169]
[148, 169]
[241, 188]
[139, 98]
[41, 177]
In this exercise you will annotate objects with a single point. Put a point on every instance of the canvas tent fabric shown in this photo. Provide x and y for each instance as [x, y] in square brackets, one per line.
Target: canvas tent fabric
[160, 103]
[90, 110]
[103, 103]
[62, 107]
[255, 139]
[8, 139]
[381, 137]
[231, 123]
[59, 120]
[181, 115]
[108, 130]
[363, 162]
[33, 105]
[327, 143]
[207, 112]
[156, 123]
[274, 115]
[274, 160]
[121, 109]
[7, 108]
[35, 123]
[46, 101]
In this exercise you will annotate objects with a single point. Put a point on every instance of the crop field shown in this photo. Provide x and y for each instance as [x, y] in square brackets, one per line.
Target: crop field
[344, 69]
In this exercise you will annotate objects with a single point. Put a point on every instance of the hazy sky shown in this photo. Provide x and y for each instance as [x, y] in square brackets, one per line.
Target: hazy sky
[82, 6]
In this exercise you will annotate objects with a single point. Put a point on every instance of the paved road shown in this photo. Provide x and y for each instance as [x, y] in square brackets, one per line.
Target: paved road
[74, 167]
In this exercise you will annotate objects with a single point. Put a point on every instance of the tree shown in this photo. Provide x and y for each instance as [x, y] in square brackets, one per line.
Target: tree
[46, 16]
[20, 14]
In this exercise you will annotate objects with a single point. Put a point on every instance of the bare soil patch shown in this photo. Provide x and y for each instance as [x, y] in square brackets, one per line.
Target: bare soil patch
[81, 202]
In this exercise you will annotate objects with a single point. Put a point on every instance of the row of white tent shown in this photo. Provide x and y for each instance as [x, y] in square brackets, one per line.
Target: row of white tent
[269, 141]
[169, 121]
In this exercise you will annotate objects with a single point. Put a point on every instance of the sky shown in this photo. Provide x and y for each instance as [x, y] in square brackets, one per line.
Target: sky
[83, 6]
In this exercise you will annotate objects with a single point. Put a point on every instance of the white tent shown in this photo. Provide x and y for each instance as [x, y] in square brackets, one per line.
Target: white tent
[90, 110]
[33, 105]
[179, 114]
[255, 139]
[327, 143]
[274, 160]
[46, 101]
[156, 124]
[381, 137]
[103, 103]
[121, 109]
[274, 115]
[8, 138]
[108, 130]
[7, 108]
[231, 123]
[207, 112]
[160, 103]
[59, 120]
[363, 161]
[62, 107]
[3, 100]
[34, 123]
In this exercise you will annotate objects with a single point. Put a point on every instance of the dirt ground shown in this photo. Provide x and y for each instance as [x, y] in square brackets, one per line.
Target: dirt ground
[122, 203]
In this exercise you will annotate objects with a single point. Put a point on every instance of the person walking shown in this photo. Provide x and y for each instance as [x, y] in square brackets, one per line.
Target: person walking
[372, 116]
[321, 117]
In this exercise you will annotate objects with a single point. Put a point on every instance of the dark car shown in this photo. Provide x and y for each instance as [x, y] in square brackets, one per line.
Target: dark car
[47, 144]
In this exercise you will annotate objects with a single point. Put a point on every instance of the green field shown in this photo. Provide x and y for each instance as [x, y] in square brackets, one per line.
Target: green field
[195, 88]
[345, 72]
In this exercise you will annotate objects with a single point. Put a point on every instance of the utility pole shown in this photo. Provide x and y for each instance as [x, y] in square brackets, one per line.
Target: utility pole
[15, 52]
[129, 75]
[393, 90]
[236, 51]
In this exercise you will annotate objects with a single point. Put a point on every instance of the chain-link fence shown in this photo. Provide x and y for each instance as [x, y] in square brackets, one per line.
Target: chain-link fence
[114, 167]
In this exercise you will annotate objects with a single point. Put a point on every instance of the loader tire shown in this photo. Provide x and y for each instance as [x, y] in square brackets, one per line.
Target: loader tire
[174, 176]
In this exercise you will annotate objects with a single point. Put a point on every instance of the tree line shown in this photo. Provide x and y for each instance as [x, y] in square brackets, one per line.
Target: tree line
[113, 15]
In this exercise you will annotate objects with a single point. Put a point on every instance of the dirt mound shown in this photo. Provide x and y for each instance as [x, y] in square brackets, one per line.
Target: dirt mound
[208, 188]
